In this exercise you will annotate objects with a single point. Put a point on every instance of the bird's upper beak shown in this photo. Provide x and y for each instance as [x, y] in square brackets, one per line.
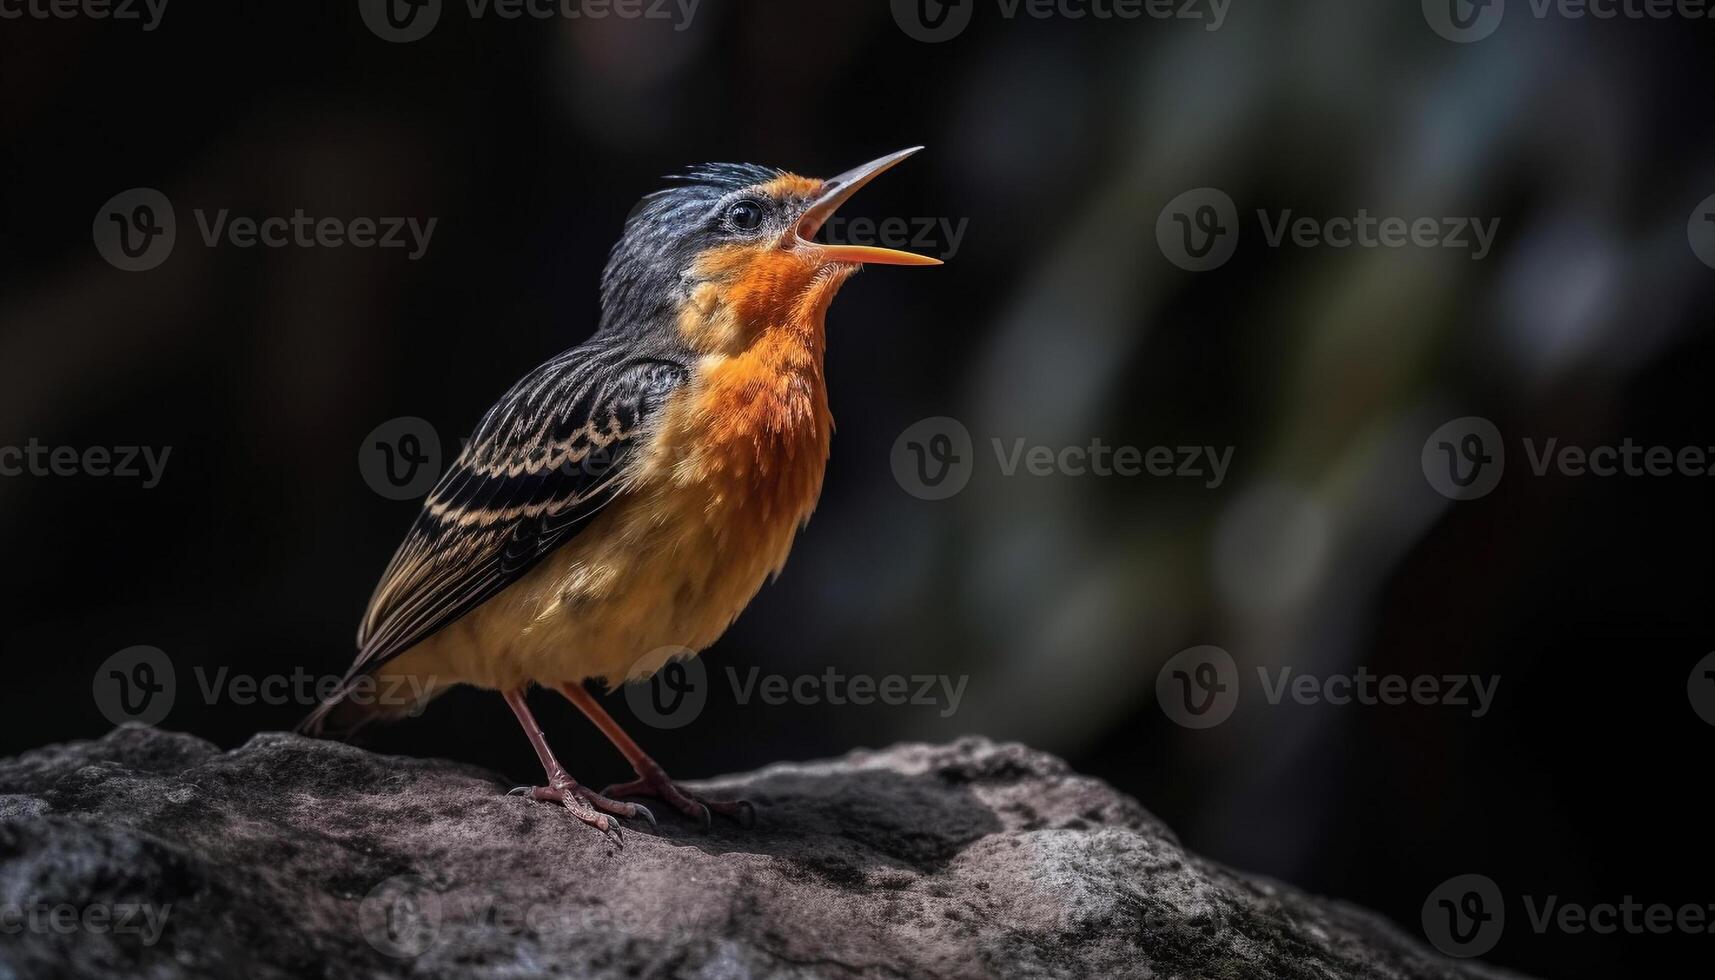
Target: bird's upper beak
[835, 192]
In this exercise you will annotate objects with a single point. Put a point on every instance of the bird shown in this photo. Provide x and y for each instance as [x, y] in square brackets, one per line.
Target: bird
[622, 503]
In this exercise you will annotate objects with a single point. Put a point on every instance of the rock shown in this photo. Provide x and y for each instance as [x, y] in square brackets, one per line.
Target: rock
[152, 854]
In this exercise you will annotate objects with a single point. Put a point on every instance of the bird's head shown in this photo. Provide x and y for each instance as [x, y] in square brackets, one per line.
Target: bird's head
[731, 252]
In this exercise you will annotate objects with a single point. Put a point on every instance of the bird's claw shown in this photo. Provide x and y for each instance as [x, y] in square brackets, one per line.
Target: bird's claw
[591, 808]
[701, 810]
[745, 813]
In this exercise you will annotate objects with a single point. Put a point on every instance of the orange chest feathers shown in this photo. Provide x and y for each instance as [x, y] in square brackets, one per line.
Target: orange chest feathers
[763, 425]
[742, 449]
[749, 436]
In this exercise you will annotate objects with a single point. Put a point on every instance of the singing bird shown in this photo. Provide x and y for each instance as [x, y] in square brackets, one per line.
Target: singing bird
[622, 504]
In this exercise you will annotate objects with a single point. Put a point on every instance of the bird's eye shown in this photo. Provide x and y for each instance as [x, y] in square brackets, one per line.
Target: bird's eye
[745, 215]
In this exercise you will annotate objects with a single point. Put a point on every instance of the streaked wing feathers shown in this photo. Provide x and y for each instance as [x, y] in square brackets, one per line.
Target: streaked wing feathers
[548, 455]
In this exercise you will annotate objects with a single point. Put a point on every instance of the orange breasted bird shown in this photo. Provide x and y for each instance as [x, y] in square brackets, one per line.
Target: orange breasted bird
[623, 503]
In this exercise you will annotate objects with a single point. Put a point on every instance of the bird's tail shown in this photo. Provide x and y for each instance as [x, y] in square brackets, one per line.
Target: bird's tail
[335, 717]
[363, 700]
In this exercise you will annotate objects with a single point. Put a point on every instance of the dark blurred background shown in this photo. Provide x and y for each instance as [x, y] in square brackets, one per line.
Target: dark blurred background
[1058, 319]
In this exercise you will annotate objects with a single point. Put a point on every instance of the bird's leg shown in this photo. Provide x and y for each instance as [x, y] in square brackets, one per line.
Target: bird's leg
[592, 808]
[651, 779]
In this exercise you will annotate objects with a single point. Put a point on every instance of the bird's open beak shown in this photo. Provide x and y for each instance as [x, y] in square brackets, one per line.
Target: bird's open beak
[835, 192]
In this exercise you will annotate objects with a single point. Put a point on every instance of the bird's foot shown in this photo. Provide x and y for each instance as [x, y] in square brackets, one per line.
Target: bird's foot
[653, 781]
[588, 806]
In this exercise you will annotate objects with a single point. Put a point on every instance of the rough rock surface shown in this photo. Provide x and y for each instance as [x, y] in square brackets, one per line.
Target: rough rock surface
[293, 857]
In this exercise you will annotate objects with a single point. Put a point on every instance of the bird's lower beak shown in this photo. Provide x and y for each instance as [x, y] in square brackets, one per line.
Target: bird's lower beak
[835, 192]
